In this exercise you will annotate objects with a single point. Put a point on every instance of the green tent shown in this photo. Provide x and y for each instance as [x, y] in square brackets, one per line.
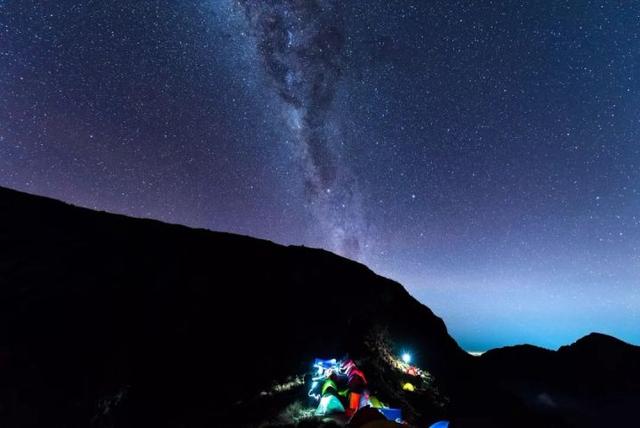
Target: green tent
[328, 384]
[375, 403]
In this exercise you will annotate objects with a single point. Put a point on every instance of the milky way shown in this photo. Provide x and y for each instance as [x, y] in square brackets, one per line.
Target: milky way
[491, 147]
[301, 45]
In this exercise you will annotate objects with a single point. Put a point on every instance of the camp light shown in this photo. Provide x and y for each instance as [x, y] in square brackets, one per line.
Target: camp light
[324, 369]
[406, 357]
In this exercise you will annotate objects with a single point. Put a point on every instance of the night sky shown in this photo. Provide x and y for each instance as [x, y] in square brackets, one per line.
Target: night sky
[485, 154]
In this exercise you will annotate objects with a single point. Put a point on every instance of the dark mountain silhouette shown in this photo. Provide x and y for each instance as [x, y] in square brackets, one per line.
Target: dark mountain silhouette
[592, 382]
[110, 321]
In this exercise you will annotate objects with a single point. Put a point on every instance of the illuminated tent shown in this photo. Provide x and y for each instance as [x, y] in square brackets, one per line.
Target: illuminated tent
[408, 387]
[330, 399]
[347, 366]
[391, 414]
[329, 404]
[375, 403]
[354, 402]
[328, 386]
[341, 387]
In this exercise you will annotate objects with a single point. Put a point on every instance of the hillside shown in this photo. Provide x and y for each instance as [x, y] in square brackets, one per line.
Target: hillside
[122, 322]
[110, 321]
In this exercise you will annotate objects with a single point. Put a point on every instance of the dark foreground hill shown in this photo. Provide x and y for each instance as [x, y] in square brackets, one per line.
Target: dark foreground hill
[109, 321]
[114, 321]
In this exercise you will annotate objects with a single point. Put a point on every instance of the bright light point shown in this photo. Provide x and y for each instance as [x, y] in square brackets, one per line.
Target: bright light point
[406, 358]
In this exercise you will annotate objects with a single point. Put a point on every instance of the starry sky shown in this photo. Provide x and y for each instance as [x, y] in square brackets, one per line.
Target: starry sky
[483, 153]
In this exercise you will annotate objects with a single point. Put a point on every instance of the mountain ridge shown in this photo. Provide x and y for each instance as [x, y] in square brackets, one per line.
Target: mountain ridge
[123, 299]
[104, 319]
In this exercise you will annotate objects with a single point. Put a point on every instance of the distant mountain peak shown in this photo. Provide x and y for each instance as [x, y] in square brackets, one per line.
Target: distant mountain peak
[597, 340]
[600, 338]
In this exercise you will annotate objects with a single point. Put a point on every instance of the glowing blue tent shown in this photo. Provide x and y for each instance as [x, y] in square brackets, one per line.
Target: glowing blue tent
[394, 415]
[329, 404]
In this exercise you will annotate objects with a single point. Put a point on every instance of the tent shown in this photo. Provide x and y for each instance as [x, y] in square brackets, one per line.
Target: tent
[375, 403]
[391, 414]
[329, 404]
[341, 387]
[408, 387]
[328, 385]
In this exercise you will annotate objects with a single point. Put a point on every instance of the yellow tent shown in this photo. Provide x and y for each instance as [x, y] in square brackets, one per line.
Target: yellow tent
[408, 387]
